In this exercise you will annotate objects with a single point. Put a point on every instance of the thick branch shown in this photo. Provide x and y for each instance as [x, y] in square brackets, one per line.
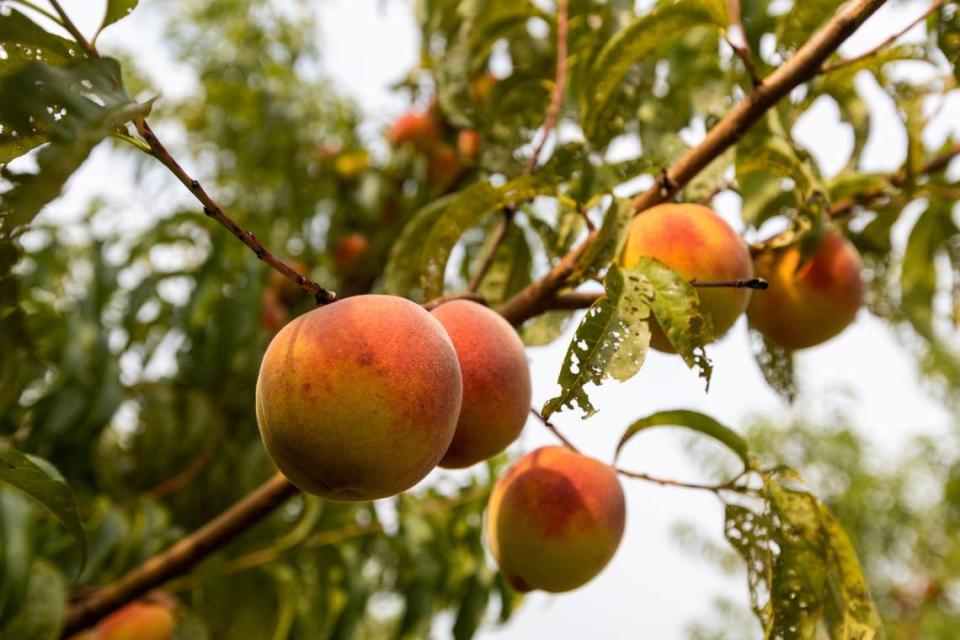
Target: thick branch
[179, 558]
[212, 209]
[803, 66]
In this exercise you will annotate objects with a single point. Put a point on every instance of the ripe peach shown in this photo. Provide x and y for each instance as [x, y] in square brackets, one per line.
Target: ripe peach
[420, 128]
[289, 292]
[699, 245]
[468, 144]
[138, 621]
[496, 382]
[348, 251]
[808, 303]
[359, 399]
[555, 519]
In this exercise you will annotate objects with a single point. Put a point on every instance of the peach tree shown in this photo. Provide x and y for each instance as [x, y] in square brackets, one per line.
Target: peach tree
[136, 486]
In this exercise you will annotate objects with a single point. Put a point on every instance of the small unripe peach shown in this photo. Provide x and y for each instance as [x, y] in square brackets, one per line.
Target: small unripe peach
[138, 621]
[808, 303]
[419, 128]
[359, 399]
[699, 245]
[496, 382]
[348, 252]
[555, 520]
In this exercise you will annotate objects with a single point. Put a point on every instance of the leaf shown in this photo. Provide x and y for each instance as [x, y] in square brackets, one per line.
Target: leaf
[116, 10]
[41, 481]
[804, 18]
[611, 341]
[948, 35]
[473, 604]
[918, 280]
[633, 44]
[609, 240]
[402, 272]
[857, 616]
[510, 270]
[676, 306]
[701, 423]
[466, 209]
[16, 550]
[776, 366]
[545, 328]
[75, 108]
[41, 617]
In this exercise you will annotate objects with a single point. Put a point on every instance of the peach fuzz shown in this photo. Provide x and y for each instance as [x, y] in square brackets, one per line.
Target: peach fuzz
[496, 382]
[359, 399]
[555, 519]
[699, 245]
[809, 303]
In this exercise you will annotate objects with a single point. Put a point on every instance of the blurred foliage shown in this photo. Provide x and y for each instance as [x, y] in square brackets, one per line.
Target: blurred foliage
[131, 332]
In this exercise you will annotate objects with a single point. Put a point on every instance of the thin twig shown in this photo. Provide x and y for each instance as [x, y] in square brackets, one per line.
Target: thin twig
[553, 429]
[839, 64]
[72, 28]
[549, 123]
[730, 485]
[742, 51]
[749, 283]
[211, 208]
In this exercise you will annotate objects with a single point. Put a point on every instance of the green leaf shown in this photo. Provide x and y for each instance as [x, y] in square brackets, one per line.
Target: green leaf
[466, 209]
[16, 550]
[510, 270]
[609, 240]
[776, 366]
[116, 10]
[38, 479]
[402, 272]
[545, 328]
[804, 18]
[918, 280]
[635, 43]
[473, 605]
[856, 616]
[702, 424]
[610, 343]
[41, 617]
[948, 35]
[89, 97]
[676, 306]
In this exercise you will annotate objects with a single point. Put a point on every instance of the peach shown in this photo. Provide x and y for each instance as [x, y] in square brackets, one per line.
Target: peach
[809, 303]
[348, 251]
[699, 245]
[555, 520]
[137, 621]
[468, 144]
[359, 399]
[496, 382]
[420, 128]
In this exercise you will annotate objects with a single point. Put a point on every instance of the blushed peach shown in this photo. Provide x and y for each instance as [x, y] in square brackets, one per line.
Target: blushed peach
[138, 621]
[420, 128]
[496, 382]
[807, 304]
[359, 399]
[555, 520]
[699, 245]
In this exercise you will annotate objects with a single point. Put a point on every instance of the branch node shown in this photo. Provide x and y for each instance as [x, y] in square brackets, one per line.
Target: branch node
[195, 185]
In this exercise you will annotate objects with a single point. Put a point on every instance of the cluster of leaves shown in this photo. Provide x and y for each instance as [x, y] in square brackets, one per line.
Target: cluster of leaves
[129, 357]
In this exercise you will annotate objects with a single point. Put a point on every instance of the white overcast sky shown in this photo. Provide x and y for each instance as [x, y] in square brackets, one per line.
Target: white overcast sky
[652, 589]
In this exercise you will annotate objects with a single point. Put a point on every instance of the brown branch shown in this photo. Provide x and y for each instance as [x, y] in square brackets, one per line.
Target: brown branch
[803, 66]
[553, 429]
[584, 299]
[212, 209]
[839, 64]
[179, 558]
[730, 485]
[549, 123]
[742, 51]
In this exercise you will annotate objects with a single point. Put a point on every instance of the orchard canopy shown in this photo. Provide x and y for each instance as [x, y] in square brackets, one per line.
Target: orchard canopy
[264, 367]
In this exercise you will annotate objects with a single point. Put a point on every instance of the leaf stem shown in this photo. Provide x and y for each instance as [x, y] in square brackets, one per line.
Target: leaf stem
[553, 429]
[74, 31]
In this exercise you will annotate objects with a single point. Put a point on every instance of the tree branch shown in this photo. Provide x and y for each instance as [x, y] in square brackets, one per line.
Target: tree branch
[730, 485]
[212, 209]
[839, 64]
[549, 123]
[179, 558]
[584, 299]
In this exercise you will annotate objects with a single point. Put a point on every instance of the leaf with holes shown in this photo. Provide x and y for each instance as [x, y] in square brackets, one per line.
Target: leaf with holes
[676, 307]
[38, 479]
[776, 366]
[701, 423]
[610, 343]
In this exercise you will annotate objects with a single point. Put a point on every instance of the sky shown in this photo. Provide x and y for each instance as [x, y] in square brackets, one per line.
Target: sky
[652, 588]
